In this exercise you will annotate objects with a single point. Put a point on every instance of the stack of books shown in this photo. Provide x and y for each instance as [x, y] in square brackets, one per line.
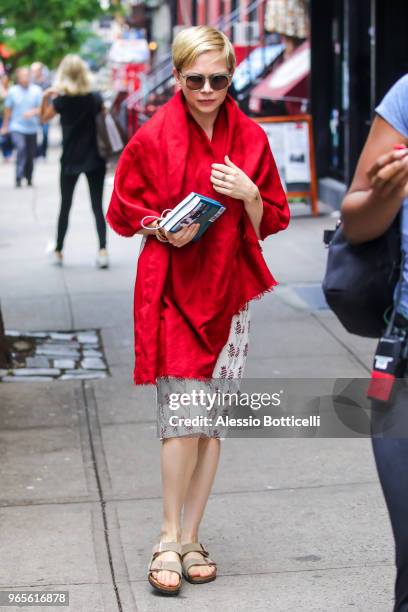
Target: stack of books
[195, 208]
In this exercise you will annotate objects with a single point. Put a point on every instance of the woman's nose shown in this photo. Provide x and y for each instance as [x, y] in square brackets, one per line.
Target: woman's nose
[207, 87]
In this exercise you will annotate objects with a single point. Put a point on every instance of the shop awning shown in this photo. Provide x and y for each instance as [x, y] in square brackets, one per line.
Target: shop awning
[254, 65]
[287, 78]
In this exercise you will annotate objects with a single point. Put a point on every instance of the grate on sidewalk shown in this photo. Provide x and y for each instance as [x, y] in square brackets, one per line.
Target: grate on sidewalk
[55, 355]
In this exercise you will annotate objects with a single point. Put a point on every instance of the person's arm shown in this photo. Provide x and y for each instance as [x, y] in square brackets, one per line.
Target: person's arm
[47, 109]
[135, 196]
[379, 184]
[6, 120]
[33, 112]
[100, 104]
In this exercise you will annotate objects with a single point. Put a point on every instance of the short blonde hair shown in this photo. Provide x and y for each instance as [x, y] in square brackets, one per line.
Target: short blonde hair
[73, 77]
[192, 42]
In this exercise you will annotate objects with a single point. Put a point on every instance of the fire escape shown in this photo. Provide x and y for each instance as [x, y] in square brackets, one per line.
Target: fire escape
[158, 85]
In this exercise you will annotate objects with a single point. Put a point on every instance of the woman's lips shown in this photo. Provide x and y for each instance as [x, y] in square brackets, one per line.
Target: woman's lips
[206, 100]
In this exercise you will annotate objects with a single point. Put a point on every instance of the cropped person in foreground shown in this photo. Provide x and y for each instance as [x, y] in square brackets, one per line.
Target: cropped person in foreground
[379, 191]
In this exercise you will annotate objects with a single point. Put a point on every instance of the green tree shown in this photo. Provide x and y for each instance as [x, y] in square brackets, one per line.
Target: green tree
[44, 30]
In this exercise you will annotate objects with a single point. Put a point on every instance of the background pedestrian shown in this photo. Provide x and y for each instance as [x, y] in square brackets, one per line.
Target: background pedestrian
[21, 119]
[72, 98]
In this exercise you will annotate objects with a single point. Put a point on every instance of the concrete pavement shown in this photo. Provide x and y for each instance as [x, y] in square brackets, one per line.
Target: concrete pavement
[294, 524]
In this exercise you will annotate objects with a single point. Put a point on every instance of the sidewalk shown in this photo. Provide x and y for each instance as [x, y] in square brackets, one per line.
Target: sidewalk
[294, 524]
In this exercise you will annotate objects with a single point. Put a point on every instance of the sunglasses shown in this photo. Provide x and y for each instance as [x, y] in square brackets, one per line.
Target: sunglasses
[197, 81]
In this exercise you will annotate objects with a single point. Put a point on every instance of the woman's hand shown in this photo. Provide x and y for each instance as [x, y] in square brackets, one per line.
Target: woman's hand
[47, 110]
[232, 181]
[389, 174]
[50, 91]
[183, 236]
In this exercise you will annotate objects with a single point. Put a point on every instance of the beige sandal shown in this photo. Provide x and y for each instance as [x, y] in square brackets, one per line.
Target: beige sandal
[197, 547]
[171, 566]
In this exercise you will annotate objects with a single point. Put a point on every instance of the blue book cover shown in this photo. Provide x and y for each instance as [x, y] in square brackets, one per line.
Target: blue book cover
[195, 208]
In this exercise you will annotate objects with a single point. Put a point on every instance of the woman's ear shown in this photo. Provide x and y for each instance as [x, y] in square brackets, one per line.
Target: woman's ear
[176, 75]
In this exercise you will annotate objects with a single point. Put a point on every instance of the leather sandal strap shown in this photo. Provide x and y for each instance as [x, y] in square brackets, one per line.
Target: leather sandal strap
[193, 547]
[166, 546]
[171, 566]
[187, 563]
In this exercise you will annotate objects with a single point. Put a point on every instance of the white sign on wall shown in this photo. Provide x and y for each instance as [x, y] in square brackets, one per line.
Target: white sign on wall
[290, 147]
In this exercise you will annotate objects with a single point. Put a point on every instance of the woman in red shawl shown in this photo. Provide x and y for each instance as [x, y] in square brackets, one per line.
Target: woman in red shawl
[191, 297]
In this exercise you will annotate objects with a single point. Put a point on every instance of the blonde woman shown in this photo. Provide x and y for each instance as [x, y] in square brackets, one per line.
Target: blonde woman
[191, 297]
[72, 98]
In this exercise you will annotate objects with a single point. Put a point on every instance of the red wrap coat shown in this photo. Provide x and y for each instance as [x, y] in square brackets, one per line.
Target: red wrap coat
[185, 298]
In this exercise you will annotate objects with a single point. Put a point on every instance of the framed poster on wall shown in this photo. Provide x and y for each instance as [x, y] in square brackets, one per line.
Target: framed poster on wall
[291, 141]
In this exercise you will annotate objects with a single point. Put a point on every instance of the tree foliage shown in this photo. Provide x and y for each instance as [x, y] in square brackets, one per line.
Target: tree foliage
[44, 30]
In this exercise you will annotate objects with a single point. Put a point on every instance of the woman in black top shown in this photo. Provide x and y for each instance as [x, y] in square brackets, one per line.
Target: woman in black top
[72, 98]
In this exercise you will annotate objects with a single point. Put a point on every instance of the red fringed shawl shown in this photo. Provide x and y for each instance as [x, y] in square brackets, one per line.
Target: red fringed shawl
[185, 297]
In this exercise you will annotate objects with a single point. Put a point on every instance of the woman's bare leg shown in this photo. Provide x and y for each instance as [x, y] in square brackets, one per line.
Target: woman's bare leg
[178, 460]
[196, 499]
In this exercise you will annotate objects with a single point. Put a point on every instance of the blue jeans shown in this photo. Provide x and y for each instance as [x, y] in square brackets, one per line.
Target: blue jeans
[26, 145]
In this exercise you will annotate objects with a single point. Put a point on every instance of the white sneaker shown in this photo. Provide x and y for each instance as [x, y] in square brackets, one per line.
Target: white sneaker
[102, 260]
[51, 244]
[56, 258]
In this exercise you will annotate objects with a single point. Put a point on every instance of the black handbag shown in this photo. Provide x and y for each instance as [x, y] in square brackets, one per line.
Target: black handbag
[360, 279]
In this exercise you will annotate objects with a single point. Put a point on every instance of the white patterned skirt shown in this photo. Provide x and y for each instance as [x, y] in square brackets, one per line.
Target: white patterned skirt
[226, 376]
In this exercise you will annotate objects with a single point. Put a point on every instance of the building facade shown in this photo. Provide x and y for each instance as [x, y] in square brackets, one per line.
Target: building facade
[359, 48]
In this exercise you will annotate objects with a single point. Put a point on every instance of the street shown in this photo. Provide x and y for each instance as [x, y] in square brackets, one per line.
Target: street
[294, 524]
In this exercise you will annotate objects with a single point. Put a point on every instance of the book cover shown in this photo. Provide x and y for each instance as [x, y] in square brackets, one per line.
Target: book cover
[195, 208]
